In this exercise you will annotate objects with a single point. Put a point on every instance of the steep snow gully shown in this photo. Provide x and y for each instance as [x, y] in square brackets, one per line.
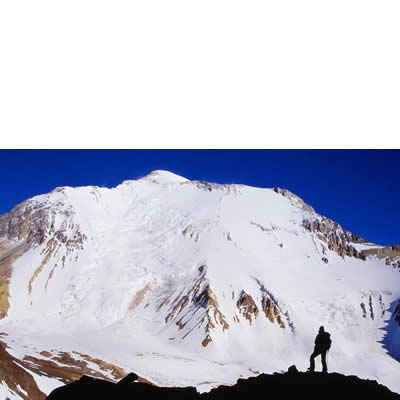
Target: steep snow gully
[188, 283]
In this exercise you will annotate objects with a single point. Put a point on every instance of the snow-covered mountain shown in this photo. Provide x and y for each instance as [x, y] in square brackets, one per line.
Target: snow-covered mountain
[188, 283]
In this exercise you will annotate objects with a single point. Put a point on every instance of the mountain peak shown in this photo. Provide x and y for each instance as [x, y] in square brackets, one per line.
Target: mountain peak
[164, 177]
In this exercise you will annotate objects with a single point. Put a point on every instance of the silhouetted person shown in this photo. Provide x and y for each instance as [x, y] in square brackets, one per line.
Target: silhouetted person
[322, 345]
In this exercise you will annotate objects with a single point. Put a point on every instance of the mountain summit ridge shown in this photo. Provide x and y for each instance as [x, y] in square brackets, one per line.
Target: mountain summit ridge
[212, 281]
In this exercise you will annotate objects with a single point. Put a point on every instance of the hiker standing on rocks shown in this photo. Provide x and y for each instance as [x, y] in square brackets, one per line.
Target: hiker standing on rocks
[322, 345]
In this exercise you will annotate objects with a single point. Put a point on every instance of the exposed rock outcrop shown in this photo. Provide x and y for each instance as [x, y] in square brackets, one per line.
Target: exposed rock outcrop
[391, 253]
[28, 220]
[31, 224]
[336, 238]
[24, 227]
[247, 307]
[364, 310]
[294, 198]
[191, 232]
[17, 373]
[208, 186]
[35, 222]
[214, 315]
[340, 241]
[271, 310]
[9, 252]
[139, 296]
[372, 305]
[200, 297]
[13, 373]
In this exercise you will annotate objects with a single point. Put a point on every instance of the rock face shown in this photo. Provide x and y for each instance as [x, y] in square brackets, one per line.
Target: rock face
[292, 384]
[272, 311]
[13, 373]
[17, 373]
[390, 253]
[9, 253]
[34, 222]
[294, 198]
[336, 238]
[342, 242]
[29, 225]
[199, 299]
[247, 307]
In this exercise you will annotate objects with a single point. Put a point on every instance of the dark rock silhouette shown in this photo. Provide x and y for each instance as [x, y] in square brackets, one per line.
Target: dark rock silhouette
[292, 384]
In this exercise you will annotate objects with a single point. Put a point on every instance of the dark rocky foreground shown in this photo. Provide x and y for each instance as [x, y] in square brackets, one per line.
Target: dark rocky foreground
[289, 385]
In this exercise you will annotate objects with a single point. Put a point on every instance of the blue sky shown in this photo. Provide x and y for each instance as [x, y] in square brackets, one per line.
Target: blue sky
[357, 188]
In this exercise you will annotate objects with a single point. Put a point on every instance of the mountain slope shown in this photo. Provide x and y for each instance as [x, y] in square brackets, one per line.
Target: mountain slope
[195, 283]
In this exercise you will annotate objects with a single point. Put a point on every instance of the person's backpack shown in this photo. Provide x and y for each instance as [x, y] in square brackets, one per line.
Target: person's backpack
[327, 340]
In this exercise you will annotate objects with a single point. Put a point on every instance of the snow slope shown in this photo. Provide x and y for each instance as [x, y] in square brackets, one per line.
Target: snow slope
[193, 283]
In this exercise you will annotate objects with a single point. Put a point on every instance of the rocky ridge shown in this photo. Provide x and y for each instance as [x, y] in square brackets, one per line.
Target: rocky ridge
[334, 237]
[292, 384]
[29, 225]
[341, 241]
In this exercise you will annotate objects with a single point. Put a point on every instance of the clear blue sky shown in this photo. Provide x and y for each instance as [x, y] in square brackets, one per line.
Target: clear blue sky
[357, 188]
